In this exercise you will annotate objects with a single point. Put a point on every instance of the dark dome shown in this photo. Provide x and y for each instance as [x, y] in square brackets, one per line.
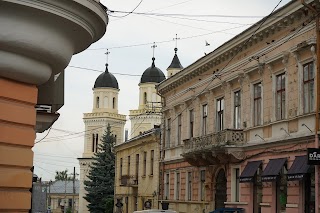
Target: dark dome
[152, 74]
[106, 79]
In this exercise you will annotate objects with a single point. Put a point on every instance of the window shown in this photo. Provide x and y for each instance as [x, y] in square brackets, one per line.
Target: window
[121, 165]
[128, 173]
[191, 113]
[151, 162]
[97, 102]
[144, 163]
[137, 166]
[93, 142]
[280, 96]
[189, 186]
[257, 105]
[202, 184]
[177, 185]
[114, 103]
[220, 107]
[70, 202]
[204, 119]
[237, 110]
[166, 189]
[145, 98]
[168, 132]
[235, 185]
[308, 87]
[97, 141]
[179, 129]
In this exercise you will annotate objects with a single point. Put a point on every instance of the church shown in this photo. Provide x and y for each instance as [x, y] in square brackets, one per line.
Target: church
[140, 153]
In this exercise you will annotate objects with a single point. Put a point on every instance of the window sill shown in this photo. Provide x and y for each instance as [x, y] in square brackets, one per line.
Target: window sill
[143, 176]
[151, 175]
[236, 203]
[265, 204]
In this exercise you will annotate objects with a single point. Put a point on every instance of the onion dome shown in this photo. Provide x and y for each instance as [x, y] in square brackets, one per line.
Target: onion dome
[106, 79]
[152, 74]
[175, 64]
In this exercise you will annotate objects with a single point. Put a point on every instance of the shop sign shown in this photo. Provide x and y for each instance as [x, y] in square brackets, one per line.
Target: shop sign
[313, 156]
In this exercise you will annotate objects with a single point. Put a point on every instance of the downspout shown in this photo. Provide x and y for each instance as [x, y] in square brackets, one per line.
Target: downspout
[317, 102]
[161, 177]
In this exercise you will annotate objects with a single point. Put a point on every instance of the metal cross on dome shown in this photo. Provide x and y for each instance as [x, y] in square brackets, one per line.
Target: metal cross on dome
[176, 39]
[107, 53]
[153, 47]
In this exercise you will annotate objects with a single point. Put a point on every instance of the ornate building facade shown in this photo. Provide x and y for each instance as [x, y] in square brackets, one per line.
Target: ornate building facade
[104, 113]
[237, 122]
[33, 56]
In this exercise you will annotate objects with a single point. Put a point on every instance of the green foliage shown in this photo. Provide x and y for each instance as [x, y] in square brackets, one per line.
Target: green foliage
[69, 210]
[100, 183]
[62, 175]
[109, 205]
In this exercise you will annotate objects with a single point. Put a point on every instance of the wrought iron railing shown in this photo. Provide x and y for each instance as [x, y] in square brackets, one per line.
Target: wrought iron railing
[129, 180]
[218, 139]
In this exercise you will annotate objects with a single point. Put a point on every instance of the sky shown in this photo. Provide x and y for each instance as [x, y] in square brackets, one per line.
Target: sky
[129, 38]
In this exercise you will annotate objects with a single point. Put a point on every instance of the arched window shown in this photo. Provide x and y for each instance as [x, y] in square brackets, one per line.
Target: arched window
[114, 103]
[97, 142]
[97, 102]
[145, 98]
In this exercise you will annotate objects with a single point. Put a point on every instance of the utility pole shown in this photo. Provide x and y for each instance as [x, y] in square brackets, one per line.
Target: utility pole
[65, 194]
[316, 144]
[74, 189]
[49, 197]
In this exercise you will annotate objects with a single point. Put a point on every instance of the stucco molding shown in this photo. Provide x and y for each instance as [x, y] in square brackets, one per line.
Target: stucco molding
[45, 42]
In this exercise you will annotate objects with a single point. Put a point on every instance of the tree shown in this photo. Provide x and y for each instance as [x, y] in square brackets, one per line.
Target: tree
[63, 175]
[100, 183]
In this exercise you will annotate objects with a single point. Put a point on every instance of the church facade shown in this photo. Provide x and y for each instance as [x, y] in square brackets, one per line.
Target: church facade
[104, 113]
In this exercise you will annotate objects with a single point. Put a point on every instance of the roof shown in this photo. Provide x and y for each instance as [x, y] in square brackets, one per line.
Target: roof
[271, 172]
[298, 168]
[152, 74]
[58, 187]
[106, 79]
[249, 171]
[175, 64]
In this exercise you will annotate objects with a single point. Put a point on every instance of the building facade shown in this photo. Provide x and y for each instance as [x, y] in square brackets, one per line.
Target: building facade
[237, 122]
[104, 113]
[137, 172]
[35, 52]
[62, 194]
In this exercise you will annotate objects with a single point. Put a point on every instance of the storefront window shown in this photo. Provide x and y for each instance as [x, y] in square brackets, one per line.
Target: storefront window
[282, 191]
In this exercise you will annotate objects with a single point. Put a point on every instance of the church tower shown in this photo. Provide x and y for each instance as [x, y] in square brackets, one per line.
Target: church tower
[104, 112]
[175, 65]
[148, 113]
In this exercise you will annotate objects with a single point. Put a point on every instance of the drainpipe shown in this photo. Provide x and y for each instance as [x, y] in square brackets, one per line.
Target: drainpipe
[317, 102]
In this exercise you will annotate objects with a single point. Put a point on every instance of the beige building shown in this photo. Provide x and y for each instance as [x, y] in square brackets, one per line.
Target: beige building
[137, 172]
[238, 121]
[104, 112]
[33, 56]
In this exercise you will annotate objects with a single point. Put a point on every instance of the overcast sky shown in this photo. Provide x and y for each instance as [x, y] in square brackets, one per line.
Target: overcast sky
[129, 38]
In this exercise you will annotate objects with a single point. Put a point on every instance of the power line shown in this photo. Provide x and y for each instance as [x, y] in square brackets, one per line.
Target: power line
[130, 11]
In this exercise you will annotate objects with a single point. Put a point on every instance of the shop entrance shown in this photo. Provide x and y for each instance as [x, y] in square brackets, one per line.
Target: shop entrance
[221, 189]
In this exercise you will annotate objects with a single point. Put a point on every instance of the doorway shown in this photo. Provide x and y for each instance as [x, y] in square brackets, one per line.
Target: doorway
[221, 189]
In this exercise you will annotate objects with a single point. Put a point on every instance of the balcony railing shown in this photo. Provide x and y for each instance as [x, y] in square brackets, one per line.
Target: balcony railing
[129, 180]
[215, 140]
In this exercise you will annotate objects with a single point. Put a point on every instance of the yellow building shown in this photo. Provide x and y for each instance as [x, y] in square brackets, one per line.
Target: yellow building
[137, 172]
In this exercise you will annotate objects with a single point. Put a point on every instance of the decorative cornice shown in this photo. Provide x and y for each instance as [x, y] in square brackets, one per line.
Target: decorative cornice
[235, 46]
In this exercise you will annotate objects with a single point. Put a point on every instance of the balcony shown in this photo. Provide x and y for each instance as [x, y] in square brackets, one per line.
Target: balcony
[129, 180]
[220, 147]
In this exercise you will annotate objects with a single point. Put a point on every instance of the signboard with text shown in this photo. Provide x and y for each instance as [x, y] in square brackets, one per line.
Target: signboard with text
[313, 156]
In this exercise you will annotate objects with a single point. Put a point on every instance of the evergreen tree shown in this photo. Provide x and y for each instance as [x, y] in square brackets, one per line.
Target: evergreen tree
[100, 183]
